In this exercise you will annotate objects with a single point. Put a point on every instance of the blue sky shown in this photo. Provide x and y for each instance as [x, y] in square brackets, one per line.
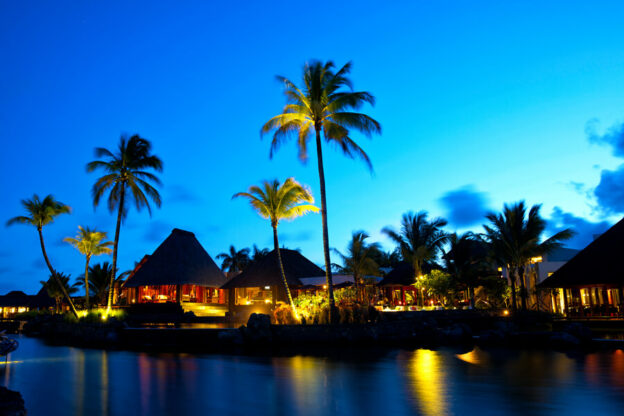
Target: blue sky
[481, 103]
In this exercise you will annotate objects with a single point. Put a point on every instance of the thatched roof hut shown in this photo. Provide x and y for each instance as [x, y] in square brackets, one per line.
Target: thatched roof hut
[266, 271]
[596, 265]
[179, 260]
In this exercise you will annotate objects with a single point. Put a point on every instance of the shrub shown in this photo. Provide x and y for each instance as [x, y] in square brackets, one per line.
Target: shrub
[284, 315]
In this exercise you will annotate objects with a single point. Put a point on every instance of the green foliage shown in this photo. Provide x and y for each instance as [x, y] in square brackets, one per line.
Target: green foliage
[234, 260]
[41, 212]
[314, 309]
[284, 315]
[31, 314]
[439, 284]
[420, 240]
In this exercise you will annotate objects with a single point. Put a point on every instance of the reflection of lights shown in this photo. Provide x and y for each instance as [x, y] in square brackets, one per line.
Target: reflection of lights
[472, 357]
[429, 382]
[10, 362]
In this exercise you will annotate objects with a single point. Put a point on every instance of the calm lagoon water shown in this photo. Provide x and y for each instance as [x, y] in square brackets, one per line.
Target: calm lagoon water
[71, 381]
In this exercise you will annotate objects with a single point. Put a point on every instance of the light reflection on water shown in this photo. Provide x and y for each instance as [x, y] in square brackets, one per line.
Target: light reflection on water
[72, 381]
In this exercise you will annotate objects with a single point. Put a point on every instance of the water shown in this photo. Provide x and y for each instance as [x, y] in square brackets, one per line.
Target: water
[71, 381]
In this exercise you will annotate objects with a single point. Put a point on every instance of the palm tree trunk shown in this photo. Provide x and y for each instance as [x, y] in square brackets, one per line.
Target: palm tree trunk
[87, 283]
[328, 274]
[53, 272]
[115, 246]
[471, 293]
[281, 266]
[523, 292]
[512, 279]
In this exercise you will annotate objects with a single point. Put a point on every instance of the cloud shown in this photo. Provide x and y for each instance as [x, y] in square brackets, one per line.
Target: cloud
[179, 193]
[157, 231]
[465, 206]
[610, 191]
[614, 136]
[585, 229]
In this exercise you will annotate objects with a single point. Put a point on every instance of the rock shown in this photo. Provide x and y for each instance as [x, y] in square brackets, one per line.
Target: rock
[492, 337]
[563, 340]
[579, 331]
[458, 333]
[258, 330]
[231, 337]
[11, 403]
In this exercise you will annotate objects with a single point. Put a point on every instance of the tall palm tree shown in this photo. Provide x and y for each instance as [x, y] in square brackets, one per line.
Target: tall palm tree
[125, 172]
[515, 237]
[234, 260]
[325, 104]
[276, 202]
[419, 240]
[58, 286]
[359, 259]
[99, 281]
[467, 261]
[90, 243]
[42, 212]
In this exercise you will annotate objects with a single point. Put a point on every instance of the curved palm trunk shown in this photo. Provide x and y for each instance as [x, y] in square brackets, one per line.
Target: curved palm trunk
[328, 274]
[283, 272]
[53, 272]
[523, 291]
[87, 283]
[115, 246]
[512, 279]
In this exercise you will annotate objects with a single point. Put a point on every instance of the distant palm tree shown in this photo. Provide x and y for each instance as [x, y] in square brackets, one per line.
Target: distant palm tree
[515, 237]
[323, 106]
[276, 202]
[89, 242]
[126, 172]
[58, 286]
[359, 259]
[234, 261]
[99, 281]
[258, 254]
[420, 240]
[42, 212]
[467, 261]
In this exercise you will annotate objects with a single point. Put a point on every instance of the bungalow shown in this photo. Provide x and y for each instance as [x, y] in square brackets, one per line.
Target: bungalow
[398, 286]
[179, 271]
[590, 284]
[260, 286]
[18, 302]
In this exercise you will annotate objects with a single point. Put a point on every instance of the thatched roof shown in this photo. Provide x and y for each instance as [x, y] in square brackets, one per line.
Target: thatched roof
[404, 275]
[179, 260]
[266, 271]
[598, 264]
[41, 300]
[15, 298]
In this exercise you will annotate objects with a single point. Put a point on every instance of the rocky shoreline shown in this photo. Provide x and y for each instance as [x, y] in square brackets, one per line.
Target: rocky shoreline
[11, 403]
[411, 330]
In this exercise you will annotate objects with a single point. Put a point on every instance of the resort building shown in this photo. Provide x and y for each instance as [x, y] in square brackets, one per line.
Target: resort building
[398, 287]
[19, 302]
[260, 286]
[179, 271]
[590, 284]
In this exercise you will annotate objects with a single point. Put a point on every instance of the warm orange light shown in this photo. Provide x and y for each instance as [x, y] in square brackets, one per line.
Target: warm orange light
[505, 312]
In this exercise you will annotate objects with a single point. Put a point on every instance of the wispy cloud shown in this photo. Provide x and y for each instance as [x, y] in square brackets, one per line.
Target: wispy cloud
[465, 206]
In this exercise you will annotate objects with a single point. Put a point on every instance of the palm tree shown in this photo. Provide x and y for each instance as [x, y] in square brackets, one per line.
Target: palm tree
[359, 259]
[99, 281]
[234, 261]
[58, 286]
[276, 202]
[258, 254]
[42, 212]
[125, 172]
[420, 240]
[89, 242]
[467, 261]
[515, 236]
[324, 106]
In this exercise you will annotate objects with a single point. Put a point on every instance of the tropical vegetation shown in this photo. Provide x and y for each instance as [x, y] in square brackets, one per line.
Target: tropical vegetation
[90, 243]
[126, 175]
[324, 108]
[277, 201]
